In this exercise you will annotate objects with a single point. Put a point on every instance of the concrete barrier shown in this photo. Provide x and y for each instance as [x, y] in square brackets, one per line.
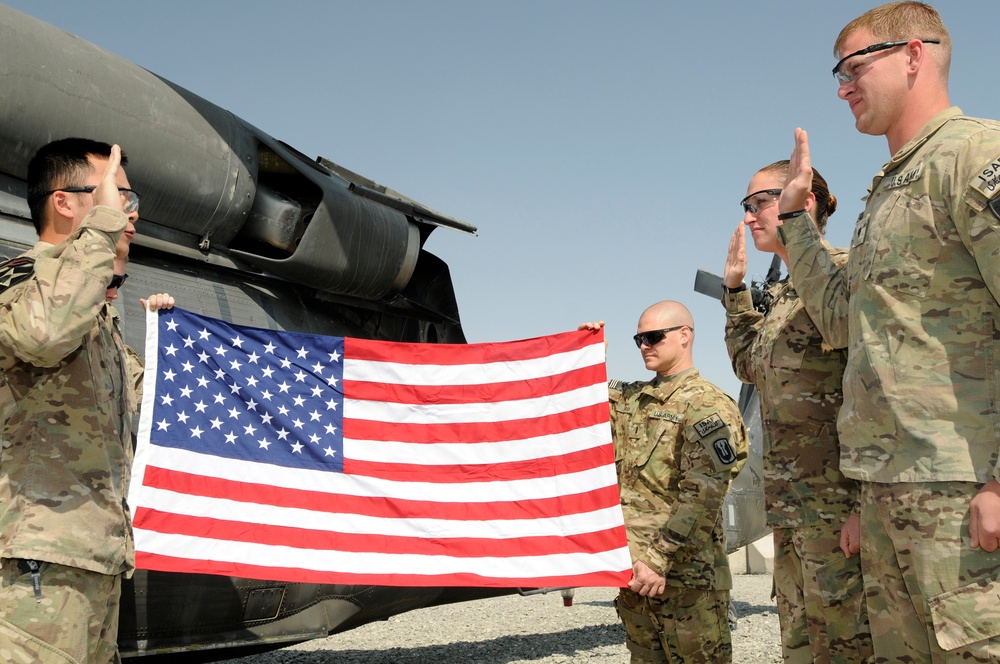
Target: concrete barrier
[755, 558]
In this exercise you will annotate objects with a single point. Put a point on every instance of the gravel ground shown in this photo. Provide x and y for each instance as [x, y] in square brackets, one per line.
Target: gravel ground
[524, 630]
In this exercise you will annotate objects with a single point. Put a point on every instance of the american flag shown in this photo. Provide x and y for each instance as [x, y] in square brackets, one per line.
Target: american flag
[295, 457]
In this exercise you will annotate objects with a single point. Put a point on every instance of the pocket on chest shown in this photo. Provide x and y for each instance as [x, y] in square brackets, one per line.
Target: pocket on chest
[650, 432]
[902, 244]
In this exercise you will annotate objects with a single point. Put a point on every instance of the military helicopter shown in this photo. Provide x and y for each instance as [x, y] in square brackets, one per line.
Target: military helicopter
[241, 226]
[743, 512]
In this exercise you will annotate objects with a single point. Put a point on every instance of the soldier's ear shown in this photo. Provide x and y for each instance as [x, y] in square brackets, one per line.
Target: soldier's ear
[687, 334]
[62, 204]
[811, 202]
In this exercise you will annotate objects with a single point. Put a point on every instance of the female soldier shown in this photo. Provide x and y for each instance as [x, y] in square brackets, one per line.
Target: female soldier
[810, 503]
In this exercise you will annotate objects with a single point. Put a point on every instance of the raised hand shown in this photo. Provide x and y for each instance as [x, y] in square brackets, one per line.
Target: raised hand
[736, 261]
[800, 174]
[106, 192]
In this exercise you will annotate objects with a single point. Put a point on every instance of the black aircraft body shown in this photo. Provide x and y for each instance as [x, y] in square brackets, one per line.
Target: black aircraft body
[240, 226]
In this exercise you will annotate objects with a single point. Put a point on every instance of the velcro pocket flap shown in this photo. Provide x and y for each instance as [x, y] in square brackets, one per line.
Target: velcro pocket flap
[967, 614]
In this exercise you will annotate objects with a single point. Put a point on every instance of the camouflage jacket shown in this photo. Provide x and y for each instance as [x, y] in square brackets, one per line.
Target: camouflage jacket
[679, 441]
[66, 442]
[798, 379]
[918, 309]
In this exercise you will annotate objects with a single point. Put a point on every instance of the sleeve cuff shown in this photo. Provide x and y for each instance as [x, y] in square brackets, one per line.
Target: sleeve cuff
[797, 228]
[105, 219]
[737, 303]
[655, 561]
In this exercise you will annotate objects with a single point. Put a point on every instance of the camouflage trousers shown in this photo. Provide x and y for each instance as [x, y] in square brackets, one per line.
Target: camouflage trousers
[931, 598]
[75, 622]
[821, 601]
[682, 625]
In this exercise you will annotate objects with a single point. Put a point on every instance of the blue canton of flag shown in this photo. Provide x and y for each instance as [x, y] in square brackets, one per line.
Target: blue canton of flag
[249, 394]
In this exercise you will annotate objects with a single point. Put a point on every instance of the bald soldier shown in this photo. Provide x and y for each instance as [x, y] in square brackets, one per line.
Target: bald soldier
[679, 442]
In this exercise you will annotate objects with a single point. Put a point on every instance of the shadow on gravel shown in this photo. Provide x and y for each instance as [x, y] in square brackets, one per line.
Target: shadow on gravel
[594, 602]
[509, 648]
[744, 609]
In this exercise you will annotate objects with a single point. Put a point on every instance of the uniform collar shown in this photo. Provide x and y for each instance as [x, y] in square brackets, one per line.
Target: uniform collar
[922, 137]
[662, 386]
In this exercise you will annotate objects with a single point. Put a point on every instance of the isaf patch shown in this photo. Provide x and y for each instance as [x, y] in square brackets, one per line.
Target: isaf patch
[987, 182]
[708, 425]
[714, 435]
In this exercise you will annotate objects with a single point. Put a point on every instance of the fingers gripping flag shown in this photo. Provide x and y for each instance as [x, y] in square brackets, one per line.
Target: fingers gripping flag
[304, 458]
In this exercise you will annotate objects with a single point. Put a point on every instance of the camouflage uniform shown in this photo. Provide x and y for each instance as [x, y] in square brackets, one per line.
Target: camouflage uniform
[798, 377]
[66, 450]
[679, 441]
[920, 423]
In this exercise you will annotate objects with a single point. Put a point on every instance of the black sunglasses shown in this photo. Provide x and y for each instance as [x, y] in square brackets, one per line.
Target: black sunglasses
[118, 280]
[653, 337]
[843, 77]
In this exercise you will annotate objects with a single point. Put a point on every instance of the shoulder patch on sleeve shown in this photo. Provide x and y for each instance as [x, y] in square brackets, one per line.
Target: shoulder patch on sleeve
[994, 205]
[987, 181]
[14, 271]
[706, 426]
[724, 451]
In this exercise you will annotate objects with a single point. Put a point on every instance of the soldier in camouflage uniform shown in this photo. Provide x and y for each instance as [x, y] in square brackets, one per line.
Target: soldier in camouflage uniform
[65, 451]
[810, 503]
[918, 311]
[679, 441]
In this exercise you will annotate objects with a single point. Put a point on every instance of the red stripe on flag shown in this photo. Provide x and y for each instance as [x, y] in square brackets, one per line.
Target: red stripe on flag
[457, 354]
[510, 471]
[399, 508]
[321, 540]
[464, 432]
[299, 575]
[485, 393]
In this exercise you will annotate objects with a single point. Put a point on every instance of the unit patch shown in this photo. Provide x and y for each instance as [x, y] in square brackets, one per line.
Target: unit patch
[724, 451]
[15, 270]
[708, 425]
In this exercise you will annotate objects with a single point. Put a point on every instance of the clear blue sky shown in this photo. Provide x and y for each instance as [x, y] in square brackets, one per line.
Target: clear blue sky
[600, 147]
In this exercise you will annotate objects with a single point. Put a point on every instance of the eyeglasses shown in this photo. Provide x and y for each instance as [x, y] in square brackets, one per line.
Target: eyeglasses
[759, 200]
[848, 75]
[118, 280]
[130, 196]
[653, 337]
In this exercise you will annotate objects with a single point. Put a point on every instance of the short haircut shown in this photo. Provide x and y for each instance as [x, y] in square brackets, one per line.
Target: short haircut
[897, 21]
[61, 163]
